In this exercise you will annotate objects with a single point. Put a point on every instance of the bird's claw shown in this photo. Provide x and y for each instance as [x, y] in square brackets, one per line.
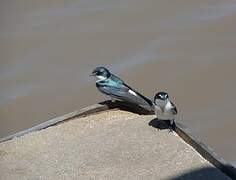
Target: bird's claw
[172, 126]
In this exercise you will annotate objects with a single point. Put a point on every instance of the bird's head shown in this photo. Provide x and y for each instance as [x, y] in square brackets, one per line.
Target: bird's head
[101, 73]
[161, 97]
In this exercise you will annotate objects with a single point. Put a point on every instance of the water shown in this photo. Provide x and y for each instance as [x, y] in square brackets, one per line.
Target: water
[186, 48]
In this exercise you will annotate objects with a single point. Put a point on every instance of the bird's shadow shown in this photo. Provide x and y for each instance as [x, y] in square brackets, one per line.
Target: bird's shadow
[126, 106]
[162, 124]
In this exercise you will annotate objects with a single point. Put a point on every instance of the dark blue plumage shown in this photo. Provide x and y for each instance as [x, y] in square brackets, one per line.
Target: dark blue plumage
[113, 86]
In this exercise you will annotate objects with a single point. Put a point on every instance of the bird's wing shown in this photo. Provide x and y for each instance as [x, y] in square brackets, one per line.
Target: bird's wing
[125, 93]
[148, 101]
[174, 109]
[130, 90]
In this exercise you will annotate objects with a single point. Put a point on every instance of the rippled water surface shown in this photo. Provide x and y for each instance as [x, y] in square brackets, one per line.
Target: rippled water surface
[187, 48]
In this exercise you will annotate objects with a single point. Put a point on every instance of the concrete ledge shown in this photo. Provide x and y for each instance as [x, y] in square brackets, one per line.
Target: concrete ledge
[113, 144]
[182, 131]
[83, 112]
[96, 108]
[205, 151]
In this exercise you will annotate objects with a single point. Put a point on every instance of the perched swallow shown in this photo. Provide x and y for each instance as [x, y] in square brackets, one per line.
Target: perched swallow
[114, 87]
[164, 108]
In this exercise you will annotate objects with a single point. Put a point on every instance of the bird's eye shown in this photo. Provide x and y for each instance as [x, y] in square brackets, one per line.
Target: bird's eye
[99, 72]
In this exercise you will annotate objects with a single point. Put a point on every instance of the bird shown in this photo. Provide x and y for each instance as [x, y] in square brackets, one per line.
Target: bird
[111, 85]
[164, 108]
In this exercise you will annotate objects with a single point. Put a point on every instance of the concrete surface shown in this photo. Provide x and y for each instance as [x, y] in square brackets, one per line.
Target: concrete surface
[111, 145]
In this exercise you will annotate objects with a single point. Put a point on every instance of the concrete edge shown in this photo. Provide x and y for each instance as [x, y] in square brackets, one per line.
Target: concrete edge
[205, 151]
[180, 129]
[82, 112]
[96, 108]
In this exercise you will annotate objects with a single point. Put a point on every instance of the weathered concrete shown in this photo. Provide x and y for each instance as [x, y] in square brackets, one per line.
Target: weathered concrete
[110, 145]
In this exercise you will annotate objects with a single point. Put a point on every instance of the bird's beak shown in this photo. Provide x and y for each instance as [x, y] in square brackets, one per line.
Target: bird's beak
[92, 74]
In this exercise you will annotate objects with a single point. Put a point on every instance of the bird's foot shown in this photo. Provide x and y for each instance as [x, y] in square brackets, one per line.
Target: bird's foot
[113, 100]
[170, 129]
[172, 125]
[158, 128]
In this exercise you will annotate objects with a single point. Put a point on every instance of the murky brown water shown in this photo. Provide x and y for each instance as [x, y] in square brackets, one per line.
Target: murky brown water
[187, 48]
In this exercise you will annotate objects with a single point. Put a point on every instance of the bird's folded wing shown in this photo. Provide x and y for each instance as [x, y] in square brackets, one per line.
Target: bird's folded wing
[174, 109]
[124, 93]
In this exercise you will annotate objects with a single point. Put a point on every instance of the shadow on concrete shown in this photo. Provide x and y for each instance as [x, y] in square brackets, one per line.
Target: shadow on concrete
[161, 124]
[126, 106]
[204, 173]
[201, 173]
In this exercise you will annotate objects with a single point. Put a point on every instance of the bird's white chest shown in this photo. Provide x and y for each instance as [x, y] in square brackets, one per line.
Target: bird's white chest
[168, 107]
[163, 112]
